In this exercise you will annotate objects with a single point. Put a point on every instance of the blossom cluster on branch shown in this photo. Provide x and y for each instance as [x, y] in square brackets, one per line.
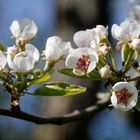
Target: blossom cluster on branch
[93, 59]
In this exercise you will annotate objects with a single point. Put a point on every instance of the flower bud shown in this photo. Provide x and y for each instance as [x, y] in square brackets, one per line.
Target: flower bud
[136, 43]
[105, 72]
[103, 50]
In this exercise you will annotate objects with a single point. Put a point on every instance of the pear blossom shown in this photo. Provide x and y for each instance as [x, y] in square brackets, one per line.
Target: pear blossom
[23, 30]
[104, 72]
[91, 38]
[22, 61]
[127, 31]
[82, 61]
[124, 96]
[56, 48]
[3, 60]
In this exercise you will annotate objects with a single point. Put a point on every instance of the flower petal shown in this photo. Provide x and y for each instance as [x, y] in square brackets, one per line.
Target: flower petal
[15, 29]
[24, 62]
[31, 49]
[29, 29]
[3, 60]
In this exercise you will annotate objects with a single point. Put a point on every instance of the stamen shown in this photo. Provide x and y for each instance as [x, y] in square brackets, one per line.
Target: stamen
[123, 96]
[83, 62]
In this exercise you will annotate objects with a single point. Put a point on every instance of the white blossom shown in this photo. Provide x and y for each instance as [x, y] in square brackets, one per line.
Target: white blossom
[104, 72]
[124, 96]
[82, 61]
[3, 60]
[127, 31]
[23, 30]
[23, 61]
[56, 48]
[90, 38]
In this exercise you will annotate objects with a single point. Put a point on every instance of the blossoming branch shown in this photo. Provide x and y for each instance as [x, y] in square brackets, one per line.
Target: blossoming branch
[92, 59]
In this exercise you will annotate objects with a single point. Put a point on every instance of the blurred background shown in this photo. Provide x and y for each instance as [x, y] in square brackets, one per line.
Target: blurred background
[64, 18]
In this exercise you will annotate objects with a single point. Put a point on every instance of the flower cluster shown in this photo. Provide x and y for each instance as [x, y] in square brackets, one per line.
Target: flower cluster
[93, 58]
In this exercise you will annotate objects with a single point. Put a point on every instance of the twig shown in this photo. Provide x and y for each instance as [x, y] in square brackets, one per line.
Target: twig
[59, 120]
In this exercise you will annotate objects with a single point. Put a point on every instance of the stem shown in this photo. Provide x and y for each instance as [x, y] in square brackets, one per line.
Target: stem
[76, 115]
[15, 108]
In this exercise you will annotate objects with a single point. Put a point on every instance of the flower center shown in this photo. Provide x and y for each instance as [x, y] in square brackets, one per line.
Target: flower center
[83, 62]
[122, 96]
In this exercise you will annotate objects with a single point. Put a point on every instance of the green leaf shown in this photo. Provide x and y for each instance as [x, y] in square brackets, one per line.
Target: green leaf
[57, 89]
[42, 79]
[138, 104]
[126, 50]
[94, 75]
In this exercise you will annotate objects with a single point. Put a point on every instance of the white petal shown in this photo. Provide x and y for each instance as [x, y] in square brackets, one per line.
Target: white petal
[10, 63]
[12, 50]
[116, 32]
[29, 29]
[32, 50]
[15, 29]
[91, 66]
[66, 47]
[54, 40]
[114, 99]
[24, 62]
[83, 38]
[71, 61]
[93, 55]
[94, 45]
[101, 31]
[3, 60]
[53, 53]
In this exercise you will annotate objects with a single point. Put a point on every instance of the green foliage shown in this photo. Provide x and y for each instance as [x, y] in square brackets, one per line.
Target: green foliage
[41, 79]
[58, 89]
[94, 75]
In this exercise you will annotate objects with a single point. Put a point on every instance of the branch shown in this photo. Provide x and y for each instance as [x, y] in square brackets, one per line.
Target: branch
[71, 117]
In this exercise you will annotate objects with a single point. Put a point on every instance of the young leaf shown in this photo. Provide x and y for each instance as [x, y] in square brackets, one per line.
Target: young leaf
[94, 75]
[42, 79]
[126, 50]
[58, 89]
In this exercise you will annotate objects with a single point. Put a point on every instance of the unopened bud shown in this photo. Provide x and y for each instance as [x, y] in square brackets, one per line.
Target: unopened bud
[103, 49]
[105, 72]
[136, 44]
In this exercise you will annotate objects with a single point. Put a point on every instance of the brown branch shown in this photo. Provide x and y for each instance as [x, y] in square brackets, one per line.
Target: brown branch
[59, 120]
